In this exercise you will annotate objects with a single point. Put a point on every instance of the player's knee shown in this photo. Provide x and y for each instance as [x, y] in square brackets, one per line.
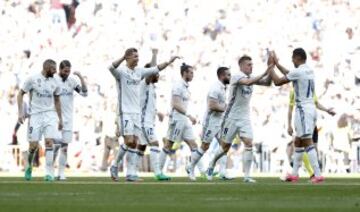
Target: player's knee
[141, 148]
[49, 143]
[64, 147]
[205, 146]
[33, 146]
[155, 143]
[227, 148]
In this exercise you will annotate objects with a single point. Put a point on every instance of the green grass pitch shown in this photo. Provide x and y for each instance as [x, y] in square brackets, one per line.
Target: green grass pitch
[101, 194]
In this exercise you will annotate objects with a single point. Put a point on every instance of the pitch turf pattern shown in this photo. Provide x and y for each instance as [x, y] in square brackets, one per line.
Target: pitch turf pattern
[101, 194]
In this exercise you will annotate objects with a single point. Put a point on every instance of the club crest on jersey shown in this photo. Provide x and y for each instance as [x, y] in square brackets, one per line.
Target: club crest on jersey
[246, 91]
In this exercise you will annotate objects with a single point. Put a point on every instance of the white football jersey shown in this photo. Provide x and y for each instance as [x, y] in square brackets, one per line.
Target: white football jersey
[217, 92]
[239, 98]
[128, 86]
[67, 89]
[42, 91]
[148, 104]
[304, 87]
[180, 89]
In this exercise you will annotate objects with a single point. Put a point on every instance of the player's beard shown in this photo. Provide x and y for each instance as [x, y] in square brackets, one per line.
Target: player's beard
[50, 75]
[226, 81]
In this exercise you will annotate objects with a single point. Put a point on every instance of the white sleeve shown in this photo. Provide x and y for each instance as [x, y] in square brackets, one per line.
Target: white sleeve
[27, 86]
[115, 72]
[145, 72]
[57, 90]
[294, 75]
[176, 90]
[213, 94]
[236, 78]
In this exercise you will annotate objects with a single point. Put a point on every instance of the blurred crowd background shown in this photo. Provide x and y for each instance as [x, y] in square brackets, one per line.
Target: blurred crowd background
[208, 34]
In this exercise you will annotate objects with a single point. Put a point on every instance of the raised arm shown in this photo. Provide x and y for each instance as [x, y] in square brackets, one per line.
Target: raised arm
[154, 57]
[282, 69]
[83, 91]
[265, 81]
[114, 65]
[255, 80]
[162, 66]
[277, 80]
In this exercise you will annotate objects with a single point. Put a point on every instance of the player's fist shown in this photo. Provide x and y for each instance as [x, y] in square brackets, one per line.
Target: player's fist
[21, 118]
[77, 73]
[154, 51]
[60, 125]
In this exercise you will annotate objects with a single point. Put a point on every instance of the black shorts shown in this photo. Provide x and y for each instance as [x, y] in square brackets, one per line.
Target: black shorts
[315, 135]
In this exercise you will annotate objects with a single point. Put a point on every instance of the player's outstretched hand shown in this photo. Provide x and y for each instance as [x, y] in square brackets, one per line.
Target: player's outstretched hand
[172, 59]
[331, 111]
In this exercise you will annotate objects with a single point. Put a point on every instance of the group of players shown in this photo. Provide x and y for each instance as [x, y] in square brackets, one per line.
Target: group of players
[52, 98]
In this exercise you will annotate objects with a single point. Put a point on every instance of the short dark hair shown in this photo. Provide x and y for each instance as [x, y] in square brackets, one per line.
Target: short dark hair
[221, 71]
[48, 62]
[300, 52]
[243, 58]
[129, 51]
[64, 63]
[184, 68]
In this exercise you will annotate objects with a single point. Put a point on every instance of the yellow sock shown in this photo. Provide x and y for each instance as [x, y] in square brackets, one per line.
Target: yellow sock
[307, 164]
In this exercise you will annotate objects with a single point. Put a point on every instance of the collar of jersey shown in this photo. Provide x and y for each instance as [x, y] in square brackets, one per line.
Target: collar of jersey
[185, 83]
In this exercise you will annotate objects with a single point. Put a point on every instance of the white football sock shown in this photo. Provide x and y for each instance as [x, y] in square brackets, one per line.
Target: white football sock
[162, 158]
[62, 161]
[218, 154]
[196, 155]
[222, 165]
[247, 161]
[298, 157]
[313, 158]
[120, 155]
[154, 159]
[49, 161]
